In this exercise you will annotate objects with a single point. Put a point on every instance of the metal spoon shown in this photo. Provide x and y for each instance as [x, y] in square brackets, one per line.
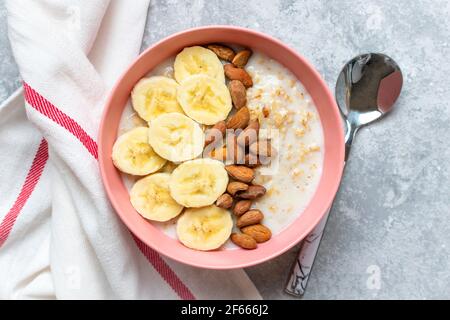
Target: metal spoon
[366, 90]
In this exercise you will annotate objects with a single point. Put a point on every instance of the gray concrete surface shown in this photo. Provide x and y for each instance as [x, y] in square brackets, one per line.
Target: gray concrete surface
[391, 221]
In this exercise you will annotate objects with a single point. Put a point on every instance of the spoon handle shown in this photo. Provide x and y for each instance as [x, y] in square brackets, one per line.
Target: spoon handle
[350, 134]
[302, 267]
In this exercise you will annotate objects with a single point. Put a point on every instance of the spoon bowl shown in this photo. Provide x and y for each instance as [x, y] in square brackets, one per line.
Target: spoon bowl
[366, 90]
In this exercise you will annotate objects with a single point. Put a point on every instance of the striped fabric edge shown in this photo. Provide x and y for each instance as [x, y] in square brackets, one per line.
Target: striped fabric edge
[31, 180]
[46, 108]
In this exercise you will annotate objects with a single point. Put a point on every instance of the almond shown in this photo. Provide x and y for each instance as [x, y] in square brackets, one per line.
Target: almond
[253, 192]
[234, 73]
[240, 119]
[223, 52]
[266, 111]
[225, 201]
[235, 187]
[258, 232]
[251, 160]
[249, 218]
[241, 58]
[238, 93]
[262, 148]
[241, 207]
[244, 241]
[214, 133]
[241, 173]
[250, 134]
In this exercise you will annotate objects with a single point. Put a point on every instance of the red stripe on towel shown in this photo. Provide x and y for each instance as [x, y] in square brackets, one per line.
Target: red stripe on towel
[164, 270]
[39, 161]
[46, 108]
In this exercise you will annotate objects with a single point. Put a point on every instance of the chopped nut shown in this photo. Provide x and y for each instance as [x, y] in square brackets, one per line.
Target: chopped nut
[292, 83]
[278, 119]
[289, 120]
[314, 148]
[280, 76]
[257, 94]
[272, 191]
[297, 173]
[289, 155]
[299, 132]
[306, 116]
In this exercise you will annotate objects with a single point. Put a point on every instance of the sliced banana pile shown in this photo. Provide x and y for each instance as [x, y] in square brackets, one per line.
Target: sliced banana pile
[165, 152]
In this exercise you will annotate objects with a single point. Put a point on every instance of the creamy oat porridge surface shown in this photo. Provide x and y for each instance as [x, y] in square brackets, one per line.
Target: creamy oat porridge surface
[287, 114]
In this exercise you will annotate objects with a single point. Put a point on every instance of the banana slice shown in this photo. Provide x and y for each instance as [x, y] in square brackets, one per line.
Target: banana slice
[198, 183]
[133, 154]
[204, 99]
[204, 228]
[154, 96]
[150, 197]
[176, 137]
[198, 60]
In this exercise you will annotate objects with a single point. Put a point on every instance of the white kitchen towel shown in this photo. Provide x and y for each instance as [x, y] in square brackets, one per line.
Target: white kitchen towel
[59, 236]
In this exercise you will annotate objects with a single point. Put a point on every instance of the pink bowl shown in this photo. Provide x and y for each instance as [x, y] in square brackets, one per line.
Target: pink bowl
[329, 116]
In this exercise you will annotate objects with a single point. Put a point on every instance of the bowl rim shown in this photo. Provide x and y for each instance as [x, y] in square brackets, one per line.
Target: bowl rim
[333, 186]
